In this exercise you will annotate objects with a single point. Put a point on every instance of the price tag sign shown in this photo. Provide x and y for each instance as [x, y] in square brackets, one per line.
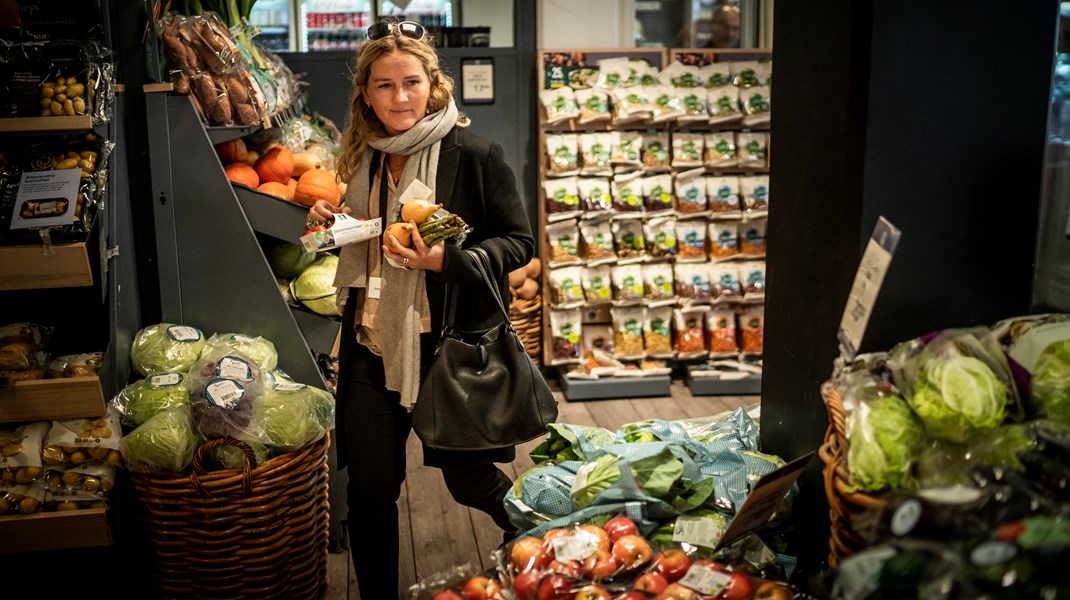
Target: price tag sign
[867, 284]
[46, 199]
[574, 547]
[700, 531]
[705, 580]
[477, 81]
[763, 500]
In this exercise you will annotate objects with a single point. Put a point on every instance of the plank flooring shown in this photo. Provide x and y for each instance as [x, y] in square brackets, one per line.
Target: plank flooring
[437, 533]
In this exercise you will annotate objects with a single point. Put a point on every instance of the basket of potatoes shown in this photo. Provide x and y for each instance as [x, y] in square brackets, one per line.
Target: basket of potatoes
[525, 309]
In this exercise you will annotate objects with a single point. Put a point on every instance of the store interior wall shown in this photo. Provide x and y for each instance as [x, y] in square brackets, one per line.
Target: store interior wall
[888, 108]
[586, 24]
[490, 13]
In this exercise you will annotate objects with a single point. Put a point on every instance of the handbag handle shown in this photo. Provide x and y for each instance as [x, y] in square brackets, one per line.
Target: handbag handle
[483, 266]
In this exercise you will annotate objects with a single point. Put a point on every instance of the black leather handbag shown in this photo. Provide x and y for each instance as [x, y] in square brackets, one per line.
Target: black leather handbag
[482, 391]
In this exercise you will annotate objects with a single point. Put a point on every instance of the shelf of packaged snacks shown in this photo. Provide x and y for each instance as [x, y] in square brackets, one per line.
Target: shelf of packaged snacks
[270, 215]
[27, 267]
[49, 399]
[609, 388]
[45, 531]
[713, 385]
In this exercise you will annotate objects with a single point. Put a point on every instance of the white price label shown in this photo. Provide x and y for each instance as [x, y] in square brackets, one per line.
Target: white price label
[574, 547]
[244, 339]
[582, 473]
[224, 393]
[906, 517]
[181, 333]
[234, 368]
[700, 531]
[705, 580]
[990, 554]
[289, 387]
[866, 286]
[165, 380]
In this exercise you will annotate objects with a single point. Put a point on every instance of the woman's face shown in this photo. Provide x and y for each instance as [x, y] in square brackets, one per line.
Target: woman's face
[398, 90]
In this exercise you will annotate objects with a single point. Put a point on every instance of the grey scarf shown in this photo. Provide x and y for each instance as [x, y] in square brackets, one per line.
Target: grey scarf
[403, 291]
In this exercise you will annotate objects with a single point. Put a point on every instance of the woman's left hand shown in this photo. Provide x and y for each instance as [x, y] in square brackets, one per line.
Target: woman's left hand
[417, 257]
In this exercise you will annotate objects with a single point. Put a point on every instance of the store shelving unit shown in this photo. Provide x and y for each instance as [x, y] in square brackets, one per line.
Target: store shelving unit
[42, 532]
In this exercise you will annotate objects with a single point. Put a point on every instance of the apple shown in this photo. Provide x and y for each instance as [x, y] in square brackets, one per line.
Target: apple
[592, 592]
[709, 564]
[740, 588]
[620, 526]
[602, 538]
[771, 590]
[676, 591]
[672, 563]
[650, 582]
[600, 565]
[480, 587]
[555, 587]
[632, 551]
[633, 596]
[447, 595]
[557, 532]
[529, 553]
[526, 584]
[572, 568]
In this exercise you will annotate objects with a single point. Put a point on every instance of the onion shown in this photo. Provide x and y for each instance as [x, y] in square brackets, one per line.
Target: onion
[418, 211]
[402, 232]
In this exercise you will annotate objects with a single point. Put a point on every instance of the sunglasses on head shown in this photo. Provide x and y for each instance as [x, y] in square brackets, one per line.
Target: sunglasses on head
[409, 29]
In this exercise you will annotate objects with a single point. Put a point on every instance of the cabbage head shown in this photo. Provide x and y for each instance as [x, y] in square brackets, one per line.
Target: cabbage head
[296, 415]
[1050, 385]
[288, 260]
[957, 397]
[884, 442]
[257, 348]
[159, 392]
[232, 457]
[314, 287]
[165, 442]
[166, 348]
[594, 478]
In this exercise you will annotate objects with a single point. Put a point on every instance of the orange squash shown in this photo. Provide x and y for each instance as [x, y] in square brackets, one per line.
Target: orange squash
[277, 164]
[242, 173]
[232, 151]
[274, 188]
[292, 184]
[317, 184]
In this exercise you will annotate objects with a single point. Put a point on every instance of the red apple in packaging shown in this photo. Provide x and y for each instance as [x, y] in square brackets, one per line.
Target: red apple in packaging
[526, 584]
[676, 591]
[570, 568]
[632, 596]
[600, 565]
[592, 592]
[672, 564]
[740, 588]
[620, 526]
[771, 590]
[555, 587]
[600, 535]
[529, 553]
[632, 551]
[650, 582]
[480, 587]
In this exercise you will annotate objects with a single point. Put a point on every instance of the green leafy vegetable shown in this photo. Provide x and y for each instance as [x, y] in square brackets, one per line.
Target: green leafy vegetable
[957, 397]
[314, 287]
[164, 442]
[166, 348]
[232, 457]
[288, 260]
[594, 478]
[884, 440]
[1050, 386]
[296, 415]
[257, 348]
[143, 399]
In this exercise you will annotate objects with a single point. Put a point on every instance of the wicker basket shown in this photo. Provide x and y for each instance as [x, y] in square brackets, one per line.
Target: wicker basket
[844, 506]
[240, 533]
[526, 316]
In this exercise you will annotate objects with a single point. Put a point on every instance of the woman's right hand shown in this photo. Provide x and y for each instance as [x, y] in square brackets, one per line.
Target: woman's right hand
[322, 211]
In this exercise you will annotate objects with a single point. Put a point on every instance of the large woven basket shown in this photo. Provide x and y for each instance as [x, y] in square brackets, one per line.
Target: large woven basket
[845, 507]
[257, 532]
[526, 316]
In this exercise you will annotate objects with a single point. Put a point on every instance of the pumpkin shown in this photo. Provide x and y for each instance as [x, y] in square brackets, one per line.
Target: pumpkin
[317, 184]
[242, 173]
[231, 151]
[274, 188]
[277, 164]
[250, 158]
[303, 161]
[292, 184]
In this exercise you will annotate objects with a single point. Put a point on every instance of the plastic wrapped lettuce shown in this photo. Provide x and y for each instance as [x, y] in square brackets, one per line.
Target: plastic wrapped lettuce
[166, 348]
[884, 438]
[165, 442]
[957, 384]
[288, 260]
[314, 287]
[295, 415]
[1037, 348]
[571, 442]
[258, 348]
[225, 387]
[232, 457]
[951, 463]
[143, 399]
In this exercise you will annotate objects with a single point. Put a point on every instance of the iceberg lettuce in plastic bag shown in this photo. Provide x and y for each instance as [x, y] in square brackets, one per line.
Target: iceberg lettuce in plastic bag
[166, 348]
[1037, 348]
[158, 392]
[258, 348]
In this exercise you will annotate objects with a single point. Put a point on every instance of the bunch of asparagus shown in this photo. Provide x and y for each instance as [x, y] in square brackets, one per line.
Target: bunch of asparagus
[434, 231]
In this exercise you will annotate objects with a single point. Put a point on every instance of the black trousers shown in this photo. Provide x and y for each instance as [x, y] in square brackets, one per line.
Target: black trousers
[375, 428]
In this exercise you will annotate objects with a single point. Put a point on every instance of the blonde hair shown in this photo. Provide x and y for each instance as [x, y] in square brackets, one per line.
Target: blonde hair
[363, 125]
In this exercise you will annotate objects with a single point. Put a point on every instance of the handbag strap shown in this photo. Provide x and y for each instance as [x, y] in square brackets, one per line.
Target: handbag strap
[483, 266]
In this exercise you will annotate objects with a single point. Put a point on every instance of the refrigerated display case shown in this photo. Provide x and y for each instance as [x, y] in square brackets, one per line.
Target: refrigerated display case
[334, 24]
[429, 13]
[274, 19]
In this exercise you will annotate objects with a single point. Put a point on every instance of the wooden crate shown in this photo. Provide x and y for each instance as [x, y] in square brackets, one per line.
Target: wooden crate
[48, 399]
[29, 268]
[55, 531]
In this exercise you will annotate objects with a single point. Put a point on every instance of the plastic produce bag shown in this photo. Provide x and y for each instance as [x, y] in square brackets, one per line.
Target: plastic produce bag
[295, 415]
[1037, 348]
[159, 392]
[166, 348]
[165, 442]
[258, 348]
[225, 387]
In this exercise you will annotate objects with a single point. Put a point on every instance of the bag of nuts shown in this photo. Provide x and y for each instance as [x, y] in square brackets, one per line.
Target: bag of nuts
[628, 332]
[84, 441]
[20, 454]
[566, 327]
[657, 332]
[564, 238]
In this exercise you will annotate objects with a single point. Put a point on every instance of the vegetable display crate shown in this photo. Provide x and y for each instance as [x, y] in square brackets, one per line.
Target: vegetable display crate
[257, 532]
[615, 388]
[718, 386]
[29, 268]
[48, 399]
[272, 216]
[844, 506]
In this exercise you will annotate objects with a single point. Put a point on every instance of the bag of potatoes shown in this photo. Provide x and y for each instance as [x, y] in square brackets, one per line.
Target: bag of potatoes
[76, 442]
[78, 488]
[20, 454]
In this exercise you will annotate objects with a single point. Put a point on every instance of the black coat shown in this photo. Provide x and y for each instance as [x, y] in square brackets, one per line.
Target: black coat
[475, 183]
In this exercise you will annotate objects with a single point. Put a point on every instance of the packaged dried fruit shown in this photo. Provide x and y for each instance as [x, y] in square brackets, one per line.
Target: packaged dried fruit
[628, 332]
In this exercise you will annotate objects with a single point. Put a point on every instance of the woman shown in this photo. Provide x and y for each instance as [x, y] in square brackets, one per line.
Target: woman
[404, 126]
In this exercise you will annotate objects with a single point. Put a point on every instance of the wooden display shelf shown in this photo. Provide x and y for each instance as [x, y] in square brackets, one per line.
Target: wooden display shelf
[48, 531]
[43, 124]
[28, 267]
[48, 399]
[709, 385]
[606, 388]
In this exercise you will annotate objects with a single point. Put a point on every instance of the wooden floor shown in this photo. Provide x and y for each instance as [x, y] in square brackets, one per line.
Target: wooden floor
[437, 533]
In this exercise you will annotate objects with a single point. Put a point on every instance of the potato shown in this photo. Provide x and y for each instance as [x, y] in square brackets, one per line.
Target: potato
[71, 478]
[78, 457]
[98, 453]
[534, 269]
[5, 505]
[53, 455]
[106, 486]
[54, 482]
[65, 506]
[11, 449]
[28, 505]
[8, 476]
[114, 458]
[102, 432]
[517, 277]
[91, 484]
